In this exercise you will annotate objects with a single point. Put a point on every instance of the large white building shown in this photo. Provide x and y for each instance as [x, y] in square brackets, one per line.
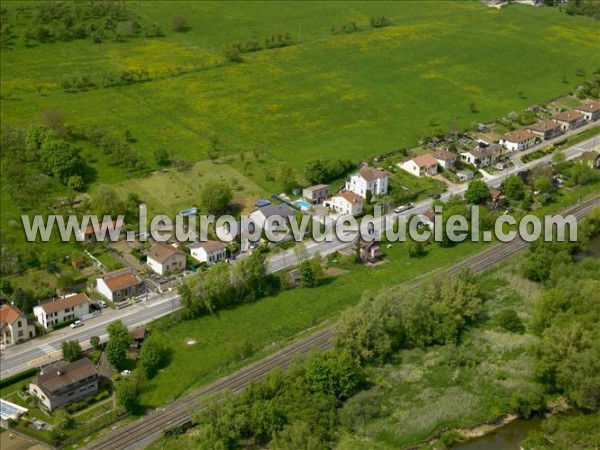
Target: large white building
[210, 252]
[372, 179]
[60, 310]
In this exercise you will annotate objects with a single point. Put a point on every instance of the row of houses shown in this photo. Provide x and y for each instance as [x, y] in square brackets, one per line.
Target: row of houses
[484, 154]
[551, 128]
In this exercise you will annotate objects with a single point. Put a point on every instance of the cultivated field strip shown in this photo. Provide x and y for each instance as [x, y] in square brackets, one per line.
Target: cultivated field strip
[135, 435]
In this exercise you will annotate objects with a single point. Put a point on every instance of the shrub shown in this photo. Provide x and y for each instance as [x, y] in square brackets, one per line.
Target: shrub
[510, 321]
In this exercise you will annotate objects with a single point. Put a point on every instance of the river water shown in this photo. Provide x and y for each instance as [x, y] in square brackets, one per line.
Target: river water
[508, 437]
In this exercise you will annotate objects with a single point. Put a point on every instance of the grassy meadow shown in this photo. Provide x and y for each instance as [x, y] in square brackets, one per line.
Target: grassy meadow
[349, 96]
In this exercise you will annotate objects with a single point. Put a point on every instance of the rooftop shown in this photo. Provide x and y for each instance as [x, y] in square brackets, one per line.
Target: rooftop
[590, 106]
[544, 125]
[372, 173]
[162, 251]
[120, 279]
[59, 304]
[426, 160]
[208, 246]
[444, 154]
[518, 136]
[62, 374]
[568, 116]
[9, 314]
[350, 197]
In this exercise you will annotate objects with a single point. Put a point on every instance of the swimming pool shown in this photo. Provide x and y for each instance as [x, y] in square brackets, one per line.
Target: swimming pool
[303, 204]
[9, 410]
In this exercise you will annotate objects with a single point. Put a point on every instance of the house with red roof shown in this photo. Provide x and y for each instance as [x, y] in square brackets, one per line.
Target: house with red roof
[14, 326]
[119, 284]
[58, 310]
[421, 166]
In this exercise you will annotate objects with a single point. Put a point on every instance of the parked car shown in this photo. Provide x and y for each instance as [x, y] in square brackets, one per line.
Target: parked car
[101, 304]
[126, 373]
[435, 196]
[403, 208]
[77, 324]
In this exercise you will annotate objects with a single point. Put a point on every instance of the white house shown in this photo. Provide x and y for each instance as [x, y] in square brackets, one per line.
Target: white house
[164, 258]
[372, 179]
[60, 310]
[281, 214]
[210, 252]
[119, 284]
[518, 140]
[421, 166]
[14, 326]
[346, 202]
[445, 158]
[590, 110]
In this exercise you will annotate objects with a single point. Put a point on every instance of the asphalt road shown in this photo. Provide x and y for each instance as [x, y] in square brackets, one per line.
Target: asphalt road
[44, 350]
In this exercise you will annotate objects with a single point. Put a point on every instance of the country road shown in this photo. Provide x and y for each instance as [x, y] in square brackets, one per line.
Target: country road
[44, 350]
[149, 428]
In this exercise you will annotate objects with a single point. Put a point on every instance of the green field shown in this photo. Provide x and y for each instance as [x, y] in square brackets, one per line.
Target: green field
[348, 95]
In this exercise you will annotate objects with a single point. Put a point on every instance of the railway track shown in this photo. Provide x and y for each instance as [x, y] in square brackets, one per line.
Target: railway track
[149, 428]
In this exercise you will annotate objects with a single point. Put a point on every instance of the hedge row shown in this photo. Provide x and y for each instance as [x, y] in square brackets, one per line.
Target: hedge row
[9, 381]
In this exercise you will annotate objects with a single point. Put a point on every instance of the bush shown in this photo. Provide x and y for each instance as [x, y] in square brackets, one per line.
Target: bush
[510, 321]
[9, 381]
[64, 324]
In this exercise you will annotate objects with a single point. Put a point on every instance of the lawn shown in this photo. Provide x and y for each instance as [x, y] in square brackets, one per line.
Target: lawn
[350, 96]
[170, 192]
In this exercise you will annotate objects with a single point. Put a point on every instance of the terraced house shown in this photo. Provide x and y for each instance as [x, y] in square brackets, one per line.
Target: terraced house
[569, 120]
[546, 129]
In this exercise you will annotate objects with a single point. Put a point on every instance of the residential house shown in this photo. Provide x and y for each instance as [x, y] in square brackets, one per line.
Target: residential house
[445, 158]
[272, 217]
[102, 230]
[569, 120]
[592, 159]
[518, 140]
[210, 252]
[590, 110]
[346, 202]
[316, 194]
[373, 179]
[464, 175]
[14, 326]
[370, 251]
[497, 197]
[164, 258]
[546, 129]
[421, 166]
[60, 310]
[63, 383]
[481, 156]
[119, 284]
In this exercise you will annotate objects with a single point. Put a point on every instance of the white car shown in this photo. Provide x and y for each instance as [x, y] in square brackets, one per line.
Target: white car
[126, 373]
[101, 304]
[77, 324]
[403, 208]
